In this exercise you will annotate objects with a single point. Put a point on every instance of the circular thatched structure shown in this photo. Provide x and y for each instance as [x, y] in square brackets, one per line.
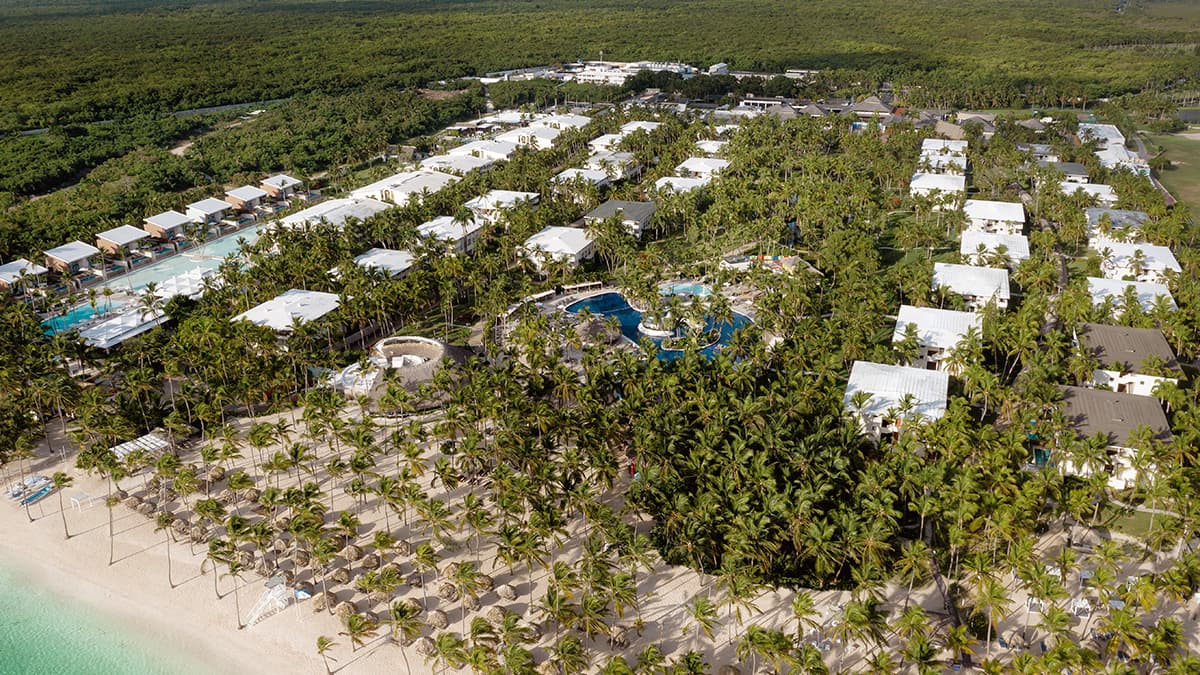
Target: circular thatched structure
[413, 360]
[507, 592]
[438, 619]
[447, 591]
[423, 646]
[376, 599]
[495, 614]
[216, 473]
[132, 502]
[370, 561]
[300, 558]
[323, 601]
[145, 508]
[345, 609]
[352, 553]
[341, 575]
[470, 603]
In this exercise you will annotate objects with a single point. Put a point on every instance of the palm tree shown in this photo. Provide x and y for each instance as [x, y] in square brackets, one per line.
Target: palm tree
[569, 655]
[404, 618]
[359, 628]
[62, 481]
[324, 644]
[702, 613]
[163, 521]
[235, 572]
[992, 599]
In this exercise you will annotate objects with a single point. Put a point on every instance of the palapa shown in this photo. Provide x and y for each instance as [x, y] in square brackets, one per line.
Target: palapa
[507, 592]
[437, 618]
[423, 646]
[370, 561]
[345, 609]
[352, 553]
[447, 591]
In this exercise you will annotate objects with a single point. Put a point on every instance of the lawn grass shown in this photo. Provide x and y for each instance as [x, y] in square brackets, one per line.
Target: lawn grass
[1132, 523]
[1183, 178]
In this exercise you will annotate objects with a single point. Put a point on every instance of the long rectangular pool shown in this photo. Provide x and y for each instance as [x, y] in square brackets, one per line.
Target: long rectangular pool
[208, 256]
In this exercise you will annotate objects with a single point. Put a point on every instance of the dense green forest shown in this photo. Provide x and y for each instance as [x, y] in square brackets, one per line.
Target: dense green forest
[67, 62]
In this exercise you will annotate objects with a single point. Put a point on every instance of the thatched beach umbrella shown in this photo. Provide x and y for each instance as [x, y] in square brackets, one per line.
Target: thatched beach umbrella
[437, 618]
[251, 494]
[226, 497]
[377, 598]
[507, 592]
[279, 545]
[198, 534]
[261, 569]
[145, 508]
[447, 591]
[495, 614]
[216, 473]
[345, 609]
[341, 575]
[403, 547]
[245, 558]
[547, 668]
[289, 577]
[392, 568]
[323, 601]
[300, 558]
[370, 561]
[619, 637]
[132, 502]
[486, 582]
[180, 526]
[352, 553]
[415, 580]
[470, 603]
[423, 646]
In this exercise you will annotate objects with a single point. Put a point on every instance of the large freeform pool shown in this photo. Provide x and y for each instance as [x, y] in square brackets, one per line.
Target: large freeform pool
[80, 314]
[614, 304]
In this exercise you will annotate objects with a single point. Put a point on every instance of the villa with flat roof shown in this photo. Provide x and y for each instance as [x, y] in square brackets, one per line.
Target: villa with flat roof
[883, 397]
[458, 234]
[246, 198]
[977, 285]
[701, 166]
[635, 216]
[1128, 360]
[1147, 295]
[167, 225]
[995, 217]
[986, 249]
[1104, 195]
[16, 275]
[944, 190]
[281, 186]
[618, 165]
[71, 258]
[1115, 224]
[938, 332]
[1141, 262]
[120, 241]
[459, 165]
[490, 206]
[209, 211]
[569, 245]
[391, 262]
[404, 187]
[335, 212]
[289, 309]
[681, 184]
[495, 151]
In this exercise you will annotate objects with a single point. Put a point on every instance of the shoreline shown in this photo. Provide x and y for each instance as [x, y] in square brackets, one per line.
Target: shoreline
[134, 592]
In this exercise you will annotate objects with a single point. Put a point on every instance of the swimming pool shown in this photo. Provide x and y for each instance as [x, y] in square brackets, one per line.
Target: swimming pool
[685, 288]
[614, 304]
[209, 257]
[80, 314]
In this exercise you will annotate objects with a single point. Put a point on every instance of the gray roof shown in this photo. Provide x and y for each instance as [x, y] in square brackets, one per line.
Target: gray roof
[1113, 345]
[1118, 217]
[871, 104]
[1099, 411]
[636, 211]
[1068, 168]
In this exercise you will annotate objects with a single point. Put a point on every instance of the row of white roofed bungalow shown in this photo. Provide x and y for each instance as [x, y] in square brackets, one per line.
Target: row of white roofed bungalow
[78, 264]
[941, 173]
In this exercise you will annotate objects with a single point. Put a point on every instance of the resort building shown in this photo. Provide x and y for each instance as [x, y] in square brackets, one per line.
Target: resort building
[490, 206]
[1104, 135]
[127, 324]
[570, 177]
[121, 241]
[403, 187]
[538, 138]
[680, 184]
[246, 198]
[712, 148]
[1115, 224]
[989, 250]
[1104, 195]
[635, 216]
[938, 333]
[496, 151]
[290, 309]
[459, 165]
[1118, 418]
[1073, 172]
[210, 211]
[562, 121]
[648, 127]
[335, 212]
[942, 164]
[1140, 262]
[18, 275]
[618, 165]
[606, 142]
[1128, 360]
[391, 262]
[569, 245]
[995, 217]
[944, 190]
[939, 146]
[978, 286]
[167, 225]
[883, 397]
[281, 186]
[71, 258]
[702, 167]
[1114, 291]
[1119, 157]
[460, 235]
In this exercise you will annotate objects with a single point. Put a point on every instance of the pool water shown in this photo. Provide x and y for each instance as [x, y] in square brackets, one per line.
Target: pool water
[614, 304]
[698, 290]
[210, 256]
[80, 314]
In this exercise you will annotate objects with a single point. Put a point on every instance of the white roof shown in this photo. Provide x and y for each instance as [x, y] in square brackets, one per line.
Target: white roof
[562, 121]
[593, 176]
[983, 209]
[247, 193]
[1016, 245]
[151, 442]
[210, 206]
[510, 117]
[941, 328]
[680, 183]
[11, 272]
[447, 228]
[630, 127]
[938, 181]
[495, 150]
[1105, 133]
[1156, 258]
[1146, 292]
[711, 147]
[123, 235]
[605, 141]
[116, 330]
[501, 199]
[402, 186]
[889, 384]
[168, 220]
[980, 282]
[702, 166]
[336, 212]
[560, 240]
[943, 147]
[456, 163]
[938, 162]
[389, 260]
[281, 181]
[1104, 193]
[189, 284]
[1117, 156]
[530, 136]
[602, 159]
[73, 252]
[294, 306]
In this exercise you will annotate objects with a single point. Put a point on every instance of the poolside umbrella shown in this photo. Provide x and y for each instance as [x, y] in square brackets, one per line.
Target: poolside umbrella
[437, 619]
[423, 646]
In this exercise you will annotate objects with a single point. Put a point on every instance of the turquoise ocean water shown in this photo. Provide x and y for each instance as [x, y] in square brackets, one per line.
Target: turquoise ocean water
[41, 632]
